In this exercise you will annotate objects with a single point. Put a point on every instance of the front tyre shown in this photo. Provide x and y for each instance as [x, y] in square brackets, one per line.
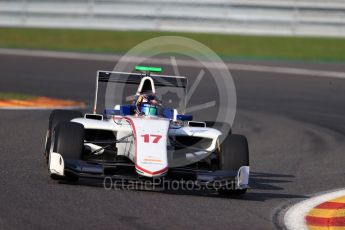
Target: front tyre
[68, 141]
[57, 116]
[233, 155]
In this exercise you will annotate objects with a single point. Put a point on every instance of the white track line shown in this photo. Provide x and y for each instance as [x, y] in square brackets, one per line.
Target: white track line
[186, 63]
[294, 218]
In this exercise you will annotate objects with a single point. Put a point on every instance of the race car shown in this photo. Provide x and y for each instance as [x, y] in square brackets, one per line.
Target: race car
[143, 139]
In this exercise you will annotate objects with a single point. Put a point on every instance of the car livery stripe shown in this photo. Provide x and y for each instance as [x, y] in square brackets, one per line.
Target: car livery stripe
[135, 138]
[327, 215]
[135, 152]
[149, 172]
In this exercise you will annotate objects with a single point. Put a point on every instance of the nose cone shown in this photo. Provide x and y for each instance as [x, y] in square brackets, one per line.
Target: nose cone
[151, 135]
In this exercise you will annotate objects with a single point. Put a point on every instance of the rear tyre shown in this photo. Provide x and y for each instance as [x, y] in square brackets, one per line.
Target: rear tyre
[233, 155]
[68, 140]
[55, 118]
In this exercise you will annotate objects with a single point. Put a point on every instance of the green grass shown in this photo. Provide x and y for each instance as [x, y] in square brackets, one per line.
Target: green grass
[227, 46]
[15, 96]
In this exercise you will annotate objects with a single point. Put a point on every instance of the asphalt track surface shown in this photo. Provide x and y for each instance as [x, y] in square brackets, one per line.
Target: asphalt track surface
[295, 126]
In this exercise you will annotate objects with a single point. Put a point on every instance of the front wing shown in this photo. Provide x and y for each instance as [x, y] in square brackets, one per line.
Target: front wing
[239, 179]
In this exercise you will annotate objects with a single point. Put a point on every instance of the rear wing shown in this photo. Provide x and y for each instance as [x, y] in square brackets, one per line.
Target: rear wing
[135, 78]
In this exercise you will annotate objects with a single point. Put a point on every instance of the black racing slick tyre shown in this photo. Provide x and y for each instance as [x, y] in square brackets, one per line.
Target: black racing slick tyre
[57, 116]
[68, 140]
[234, 154]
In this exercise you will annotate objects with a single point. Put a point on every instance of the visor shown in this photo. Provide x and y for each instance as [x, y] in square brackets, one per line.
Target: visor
[149, 110]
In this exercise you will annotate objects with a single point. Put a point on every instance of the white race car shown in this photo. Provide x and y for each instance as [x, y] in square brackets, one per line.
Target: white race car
[144, 139]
